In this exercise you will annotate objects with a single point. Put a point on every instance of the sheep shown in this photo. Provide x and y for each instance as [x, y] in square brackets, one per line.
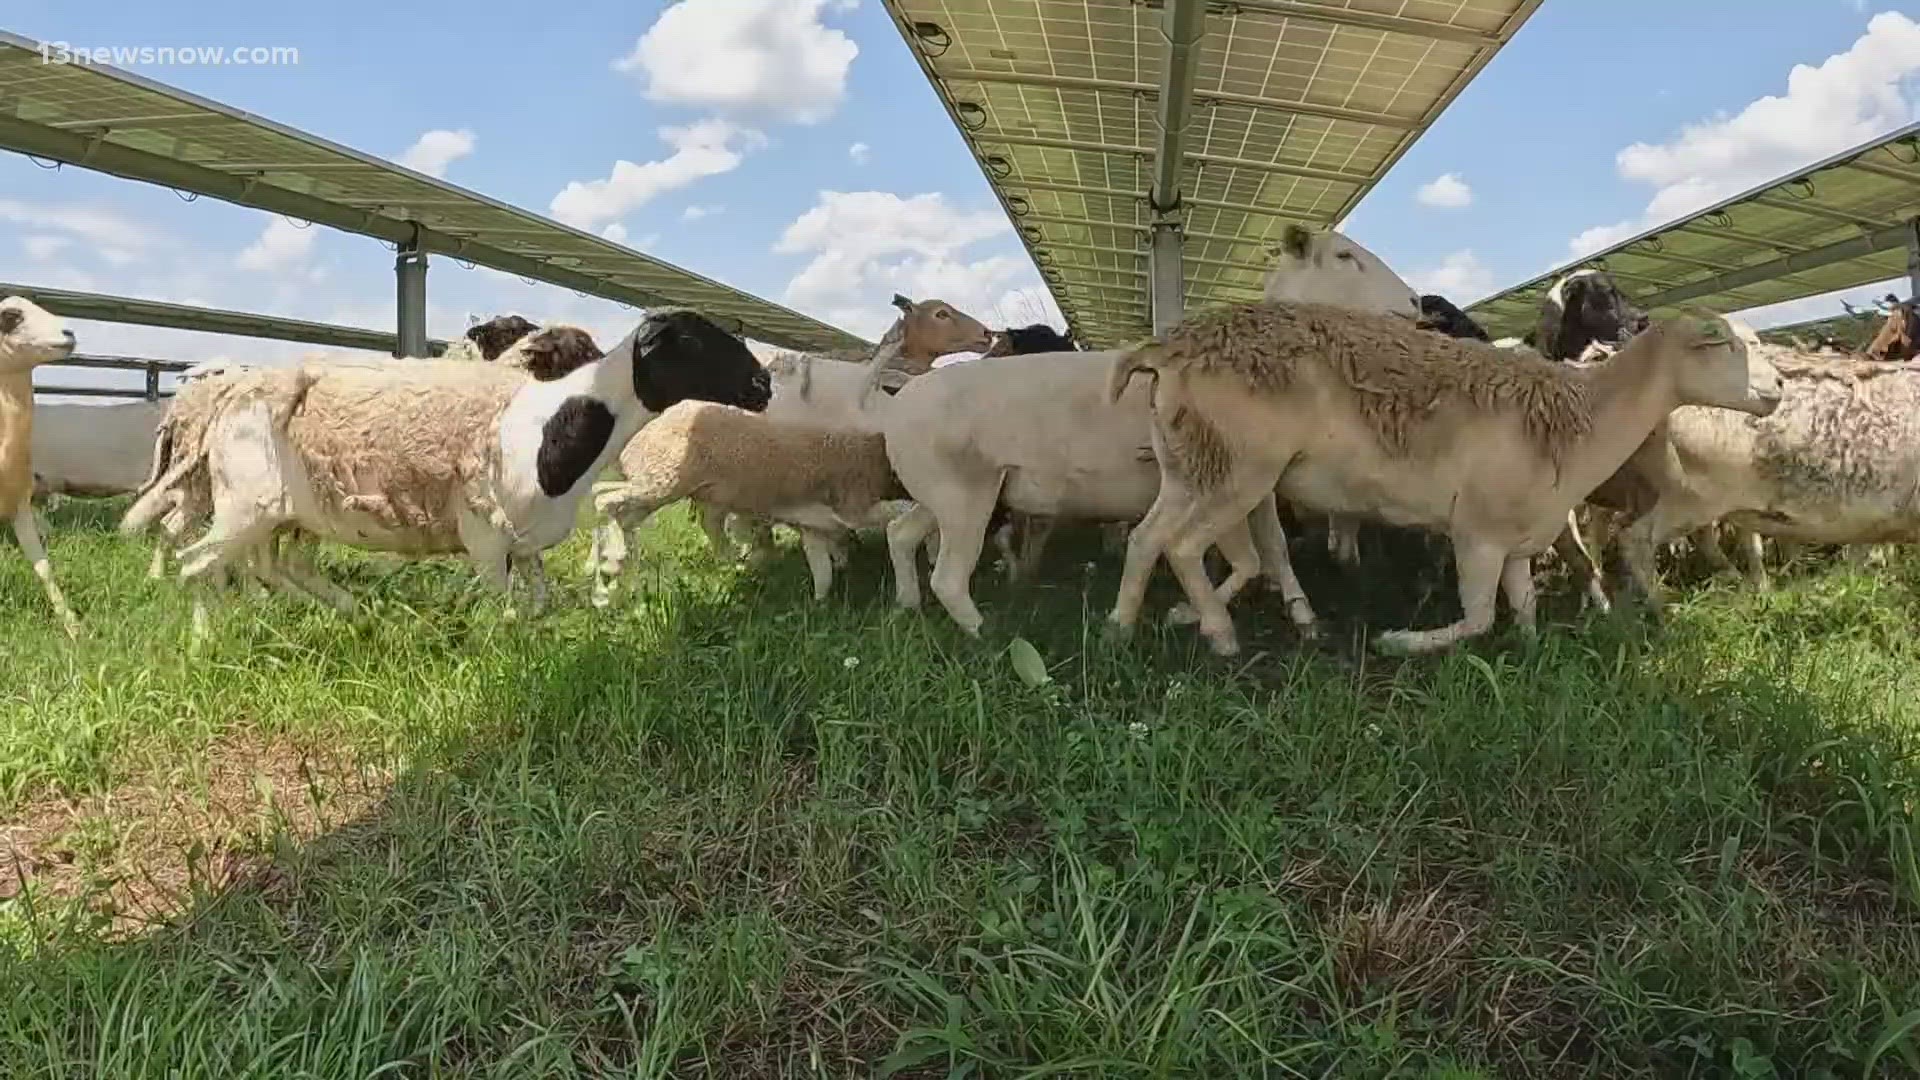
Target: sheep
[1033, 338]
[1583, 307]
[1362, 413]
[425, 457]
[827, 390]
[1037, 435]
[30, 336]
[1041, 438]
[92, 451]
[1437, 313]
[1899, 336]
[1836, 463]
[488, 340]
[819, 481]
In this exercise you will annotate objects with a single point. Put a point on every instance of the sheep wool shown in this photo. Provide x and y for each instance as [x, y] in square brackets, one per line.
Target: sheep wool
[747, 463]
[1397, 374]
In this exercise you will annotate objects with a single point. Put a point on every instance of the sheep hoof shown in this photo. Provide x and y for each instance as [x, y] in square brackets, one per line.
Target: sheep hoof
[1182, 614]
[1225, 644]
[1118, 633]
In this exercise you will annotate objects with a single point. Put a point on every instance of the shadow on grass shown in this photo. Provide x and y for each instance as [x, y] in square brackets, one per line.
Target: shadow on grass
[725, 831]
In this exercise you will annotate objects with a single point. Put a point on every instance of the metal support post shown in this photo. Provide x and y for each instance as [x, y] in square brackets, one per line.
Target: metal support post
[1167, 279]
[1183, 23]
[410, 278]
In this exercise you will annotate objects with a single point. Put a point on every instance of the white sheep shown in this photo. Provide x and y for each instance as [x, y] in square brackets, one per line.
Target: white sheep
[822, 482]
[825, 389]
[426, 457]
[1364, 414]
[30, 336]
[1837, 463]
[1039, 434]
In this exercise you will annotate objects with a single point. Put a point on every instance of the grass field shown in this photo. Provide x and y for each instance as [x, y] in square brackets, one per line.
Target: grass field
[726, 832]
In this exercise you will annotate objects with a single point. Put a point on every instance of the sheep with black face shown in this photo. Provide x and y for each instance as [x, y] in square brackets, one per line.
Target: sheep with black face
[429, 457]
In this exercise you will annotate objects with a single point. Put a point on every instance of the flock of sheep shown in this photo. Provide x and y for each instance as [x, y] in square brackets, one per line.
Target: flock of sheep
[1343, 394]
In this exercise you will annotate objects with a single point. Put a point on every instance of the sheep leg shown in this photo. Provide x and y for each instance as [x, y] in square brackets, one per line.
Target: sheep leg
[1643, 538]
[529, 575]
[1573, 551]
[1276, 564]
[28, 533]
[1480, 565]
[1144, 545]
[1343, 539]
[905, 535]
[1208, 520]
[157, 567]
[1753, 554]
[759, 532]
[818, 547]
[1707, 542]
[296, 568]
[1243, 559]
[713, 522]
[1516, 581]
[295, 577]
[959, 554]
[1032, 542]
[1003, 543]
[625, 511]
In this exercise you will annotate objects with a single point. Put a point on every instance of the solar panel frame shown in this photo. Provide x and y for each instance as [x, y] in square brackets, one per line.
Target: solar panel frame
[1299, 109]
[1842, 222]
[102, 118]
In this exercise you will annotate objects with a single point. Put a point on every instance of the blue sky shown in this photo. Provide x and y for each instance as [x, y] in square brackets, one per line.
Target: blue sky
[813, 165]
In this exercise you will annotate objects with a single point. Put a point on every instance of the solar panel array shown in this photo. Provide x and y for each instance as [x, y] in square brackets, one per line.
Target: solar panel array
[1840, 223]
[126, 309]
[116, 122]
[1299, 109]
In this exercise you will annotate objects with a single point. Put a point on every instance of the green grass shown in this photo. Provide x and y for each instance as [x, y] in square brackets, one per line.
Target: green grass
[727, 832]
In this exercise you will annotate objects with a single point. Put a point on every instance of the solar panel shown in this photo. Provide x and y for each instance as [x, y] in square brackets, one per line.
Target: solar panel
[127, 309]
[1839, 223]
[102, 118]
[1298, 110]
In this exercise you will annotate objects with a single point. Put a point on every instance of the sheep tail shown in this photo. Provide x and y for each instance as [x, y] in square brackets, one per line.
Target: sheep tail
[1131, 362]
[158, 497]
[288, 403]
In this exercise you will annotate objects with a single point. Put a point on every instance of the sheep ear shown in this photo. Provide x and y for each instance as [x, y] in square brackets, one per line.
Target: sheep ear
[1295, 240]
[1712, 331]
[903, 303]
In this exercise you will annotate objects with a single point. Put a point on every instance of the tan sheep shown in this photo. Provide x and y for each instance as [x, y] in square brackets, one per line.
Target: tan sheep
[823, 482]
[1364, 414]
[30, 336]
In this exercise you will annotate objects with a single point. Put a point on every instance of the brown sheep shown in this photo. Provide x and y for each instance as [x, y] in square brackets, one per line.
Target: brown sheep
[1363, 414]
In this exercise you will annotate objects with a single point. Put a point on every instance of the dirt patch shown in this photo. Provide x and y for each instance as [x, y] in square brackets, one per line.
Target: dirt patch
[138, 855]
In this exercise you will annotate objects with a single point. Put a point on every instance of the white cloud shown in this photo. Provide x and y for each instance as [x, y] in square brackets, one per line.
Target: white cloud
[702, 149]
[1850, 98]
[1601, 237]
[1459, 277]
[860, 152]
[282, 246]
[615, 232]
[769, 56]
[867, 245]
[117, 239]
[432, 152]
[695, 213]
[1446, 190]
[42, 248]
